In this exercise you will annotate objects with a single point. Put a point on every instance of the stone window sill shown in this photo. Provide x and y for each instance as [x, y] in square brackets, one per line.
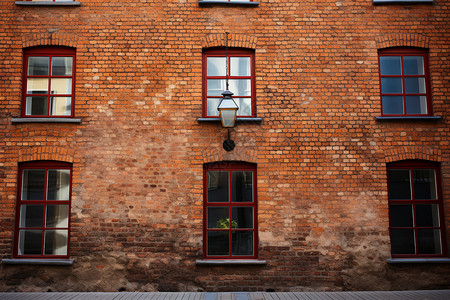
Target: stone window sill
[48, 3]
[424, 118]
[238, 120]
[45, 120]
[401, 1]
[201, 2]
[221, 262]
[28, 261]
[418, 261]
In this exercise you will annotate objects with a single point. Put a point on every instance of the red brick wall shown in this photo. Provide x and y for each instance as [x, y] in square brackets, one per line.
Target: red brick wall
[138, 153]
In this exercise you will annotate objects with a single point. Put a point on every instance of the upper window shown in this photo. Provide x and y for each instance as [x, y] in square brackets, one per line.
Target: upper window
[404, 82]
[230, 212]
[241, 79]
[48, 85]
[416, 209]
[43, 210]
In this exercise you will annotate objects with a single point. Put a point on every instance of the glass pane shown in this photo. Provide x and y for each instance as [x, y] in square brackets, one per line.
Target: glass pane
[218, 217]
[242, 243]
[392, 105]
[402, 241]
[31, 216]
[33, 184]
[37, 86]
[217, 186]
[30, 242]
[218, 243]
[427, 215]
[429, 241]
[60, 106]
[212, 104]
[401, 215]
[215, 66]
[57, 216]
[58, 185]
[391, 85]
[56, 242]
[415, 85]
[62, 66]
[399, 184]
[413, 65]
[245, 106]
[61, 86]
[242, 217]
[240, 66]
[390, 65]
[424, 184]
[38, 65]
[242, 186]
[36, 105]
[240, 87]
[215, 87]
[416, 105]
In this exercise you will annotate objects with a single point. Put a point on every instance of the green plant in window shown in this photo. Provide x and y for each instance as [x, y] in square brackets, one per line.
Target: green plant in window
[225, 223]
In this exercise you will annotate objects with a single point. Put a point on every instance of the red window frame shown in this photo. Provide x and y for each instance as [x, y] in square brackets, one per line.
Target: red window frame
[411, 166]
[232, 52]
[41, 165]
[230, 167]
[49, 52]
[404, 52]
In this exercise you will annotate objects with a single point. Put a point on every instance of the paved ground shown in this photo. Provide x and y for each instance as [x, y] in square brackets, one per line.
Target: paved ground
[399, 295]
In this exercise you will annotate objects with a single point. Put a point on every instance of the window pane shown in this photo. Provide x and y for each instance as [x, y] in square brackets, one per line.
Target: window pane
[399, 184]
[245, 106]
[413, 65]
[240, 66]
[62, 66]
[424, 184]
[242, 186]
[240, 87]
[217, 186]
[429, 241]
[58, 185]
[242, 243]
[415, 85]
[401, 215]
[38, 65]
[61, 86]
[242, 217]
[218, 243]
[215, 66]
[56, 242]
[36, 105]
[31, 216]
[212, 104]
[57, 216]
[392, 105]
[427, 215]
[33, 184]
[390, 85]
[215, 87]
[60, 106]
[390, 65]
[37, 86]
[416, 105]
[402, 241]
[30, 242]
[218, 217]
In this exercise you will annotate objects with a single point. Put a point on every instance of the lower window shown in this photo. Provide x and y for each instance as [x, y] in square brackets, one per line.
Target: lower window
[43, 210]
[416, 209]
[230, 212]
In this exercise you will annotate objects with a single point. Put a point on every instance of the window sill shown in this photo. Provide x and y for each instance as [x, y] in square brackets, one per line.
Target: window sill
[238, 120]
[45, 120]
[418, 260]
[30, 261]
[417, 118]
[221, 262]
[48, 3]
[401, 1]
[200, 2]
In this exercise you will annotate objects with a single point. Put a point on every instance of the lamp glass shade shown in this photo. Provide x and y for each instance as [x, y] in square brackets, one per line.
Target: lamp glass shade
[228, 109]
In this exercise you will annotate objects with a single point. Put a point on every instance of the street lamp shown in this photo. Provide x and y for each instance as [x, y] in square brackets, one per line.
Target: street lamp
[227, 109]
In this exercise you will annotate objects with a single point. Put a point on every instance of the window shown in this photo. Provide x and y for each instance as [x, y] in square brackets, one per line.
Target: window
[49, 0]
[241, 78]
[230, 212]
[48, 85]
[43, 206]
[416, 209]
[404, 82]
